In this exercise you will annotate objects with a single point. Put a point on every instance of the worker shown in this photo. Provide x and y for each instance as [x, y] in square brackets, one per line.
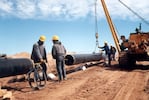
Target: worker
[39, 54]
[107, 52]
[58, 53]
[138, 31]
[113, 51]
[124, 43]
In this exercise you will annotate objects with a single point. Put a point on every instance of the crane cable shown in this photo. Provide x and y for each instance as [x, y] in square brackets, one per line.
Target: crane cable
[145, 21]
[96, 28]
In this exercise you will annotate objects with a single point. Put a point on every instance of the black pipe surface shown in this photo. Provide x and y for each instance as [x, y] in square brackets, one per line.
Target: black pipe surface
[14, 66]
[82, 58]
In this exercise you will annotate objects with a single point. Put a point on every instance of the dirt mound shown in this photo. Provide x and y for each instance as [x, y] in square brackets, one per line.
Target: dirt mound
[20, 55]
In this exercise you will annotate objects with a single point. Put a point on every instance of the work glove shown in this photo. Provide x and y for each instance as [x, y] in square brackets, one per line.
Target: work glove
[41, 60]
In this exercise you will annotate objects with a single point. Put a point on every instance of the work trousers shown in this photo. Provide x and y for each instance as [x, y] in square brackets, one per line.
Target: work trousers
[108, 59]
[60, 69]
[44, 66]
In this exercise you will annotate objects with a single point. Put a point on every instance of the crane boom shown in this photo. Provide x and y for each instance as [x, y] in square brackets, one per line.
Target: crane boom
[114, 34]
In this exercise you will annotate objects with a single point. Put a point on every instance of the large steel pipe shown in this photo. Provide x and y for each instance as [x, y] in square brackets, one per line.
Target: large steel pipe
[12, 67]
[82, 58]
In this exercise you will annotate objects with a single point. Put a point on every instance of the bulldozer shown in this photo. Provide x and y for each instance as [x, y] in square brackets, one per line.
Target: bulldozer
[135, 48]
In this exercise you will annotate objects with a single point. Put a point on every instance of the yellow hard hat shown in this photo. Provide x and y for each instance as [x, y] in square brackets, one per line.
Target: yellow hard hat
[42, 38]
[55, 37]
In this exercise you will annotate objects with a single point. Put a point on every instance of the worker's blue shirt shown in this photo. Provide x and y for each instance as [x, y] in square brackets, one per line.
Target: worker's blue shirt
[106, 49]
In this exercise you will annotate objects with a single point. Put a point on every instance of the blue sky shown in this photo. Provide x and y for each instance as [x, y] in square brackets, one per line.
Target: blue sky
[23, 21]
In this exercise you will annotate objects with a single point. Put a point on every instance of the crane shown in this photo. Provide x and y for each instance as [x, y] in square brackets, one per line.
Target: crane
[137, 44]
[114, 34]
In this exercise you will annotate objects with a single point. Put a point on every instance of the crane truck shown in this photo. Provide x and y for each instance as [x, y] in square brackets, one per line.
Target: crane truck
[136, 47]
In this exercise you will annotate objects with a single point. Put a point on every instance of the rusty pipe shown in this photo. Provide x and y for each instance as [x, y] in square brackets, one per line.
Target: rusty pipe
[73, 59]
[14, 66]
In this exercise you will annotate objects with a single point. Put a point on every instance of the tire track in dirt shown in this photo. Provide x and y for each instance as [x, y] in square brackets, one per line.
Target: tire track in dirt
[97, 86]
[66, 89]
[133, 88]
[62, 90]
[123, 91]
[95, 83]
[113, 85]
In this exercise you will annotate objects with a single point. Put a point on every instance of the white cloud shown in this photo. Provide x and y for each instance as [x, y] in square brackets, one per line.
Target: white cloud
[67, 9]
[5, 7]
[25, 8]
[71, 9]
[50, 8]
[118, 10]
[77, 9]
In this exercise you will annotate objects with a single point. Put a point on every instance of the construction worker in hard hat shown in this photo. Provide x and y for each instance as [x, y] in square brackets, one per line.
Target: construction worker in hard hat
[39, 54]
[105, 47]
[112, 51]
[123, 45]
[107, 52]
[58, 53]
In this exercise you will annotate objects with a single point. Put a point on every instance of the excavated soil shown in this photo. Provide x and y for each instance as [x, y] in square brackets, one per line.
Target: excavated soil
[95, 83]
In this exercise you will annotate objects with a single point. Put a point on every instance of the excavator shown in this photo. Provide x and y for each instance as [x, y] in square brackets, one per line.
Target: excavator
[135, 48]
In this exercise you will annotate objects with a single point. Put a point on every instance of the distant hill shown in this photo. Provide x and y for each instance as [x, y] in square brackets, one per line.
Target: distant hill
[21, 55]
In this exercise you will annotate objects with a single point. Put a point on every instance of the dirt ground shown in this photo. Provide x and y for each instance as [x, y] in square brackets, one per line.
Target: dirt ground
[95, 83]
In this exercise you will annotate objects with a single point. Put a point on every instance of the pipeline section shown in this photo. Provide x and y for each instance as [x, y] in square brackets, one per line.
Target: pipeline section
[14, 66]
[73, 59]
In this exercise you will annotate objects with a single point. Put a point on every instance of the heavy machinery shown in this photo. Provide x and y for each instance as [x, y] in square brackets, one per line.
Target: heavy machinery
[136, 48]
